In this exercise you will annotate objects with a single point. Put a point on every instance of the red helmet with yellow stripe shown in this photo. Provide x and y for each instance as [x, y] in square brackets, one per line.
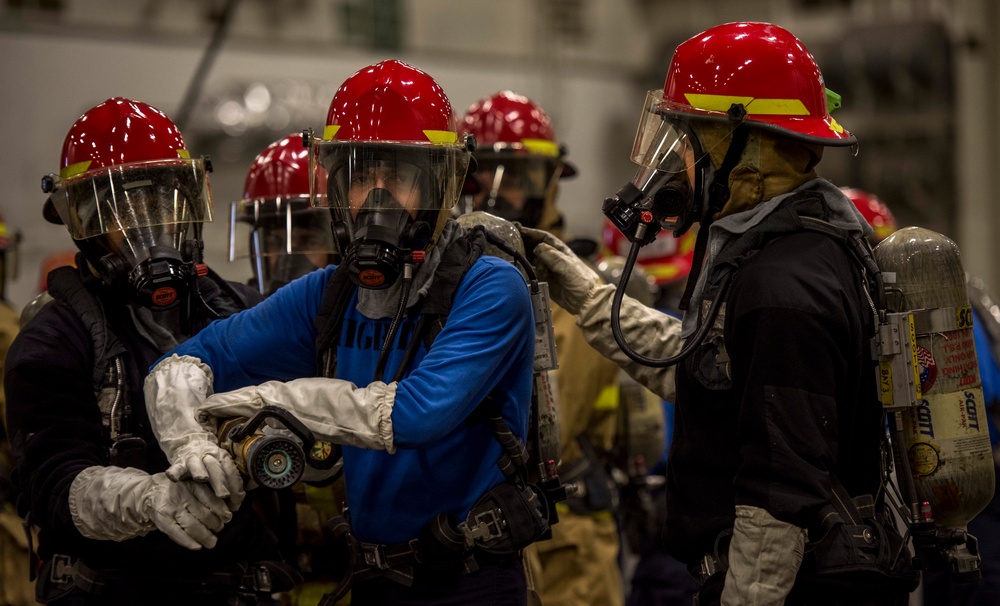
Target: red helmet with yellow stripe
[126, 184]
[764, 68]
[519, 160]
[875, 212]
[274, 225]
[392, 158]
[392, 114]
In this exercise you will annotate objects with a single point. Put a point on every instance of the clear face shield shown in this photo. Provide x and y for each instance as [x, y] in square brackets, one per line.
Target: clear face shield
[133, 220]
[515, 187]
[386, 199]
[284, 239]
[663, 194]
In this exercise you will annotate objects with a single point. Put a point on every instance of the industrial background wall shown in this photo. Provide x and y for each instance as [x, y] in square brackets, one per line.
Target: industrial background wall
[920, 80]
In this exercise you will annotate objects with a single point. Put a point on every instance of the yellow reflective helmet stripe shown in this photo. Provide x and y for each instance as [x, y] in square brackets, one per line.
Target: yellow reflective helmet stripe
[437, 137]
[441, 137]
[760, 107]
[542, 147]
[74, 169]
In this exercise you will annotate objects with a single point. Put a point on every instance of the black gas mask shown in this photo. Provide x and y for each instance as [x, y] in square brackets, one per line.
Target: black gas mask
[385, 238]
[157, 276]
[652, 201]
[660, 195]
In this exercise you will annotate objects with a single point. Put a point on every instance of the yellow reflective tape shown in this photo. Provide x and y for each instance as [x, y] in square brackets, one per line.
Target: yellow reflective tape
[74, 169]
[541, 147]
[836, 127]
[330, 131]
[183, 153]
[777, 107]
[717, 103]
[439, 137]
[760, 107]
[662, 271]
[607, 399]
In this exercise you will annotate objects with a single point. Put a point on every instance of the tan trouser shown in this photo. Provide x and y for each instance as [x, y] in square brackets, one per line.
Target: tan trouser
[15, 588]
[579, 565]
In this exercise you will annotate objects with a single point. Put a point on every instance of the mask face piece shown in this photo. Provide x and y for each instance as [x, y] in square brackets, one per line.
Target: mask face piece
[163, 279]
[384, 238]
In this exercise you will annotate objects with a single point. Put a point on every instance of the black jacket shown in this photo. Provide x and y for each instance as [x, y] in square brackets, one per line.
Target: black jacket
[56, 431]
[794, 402]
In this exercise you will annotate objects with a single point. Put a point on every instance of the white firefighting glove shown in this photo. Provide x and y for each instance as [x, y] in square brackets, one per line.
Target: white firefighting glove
[334, 409]
[764, 557]
[174, 390]
[571, 281]
[116, 504]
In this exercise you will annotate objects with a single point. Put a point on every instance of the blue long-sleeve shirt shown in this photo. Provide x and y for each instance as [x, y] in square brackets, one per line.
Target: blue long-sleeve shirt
[443, 463]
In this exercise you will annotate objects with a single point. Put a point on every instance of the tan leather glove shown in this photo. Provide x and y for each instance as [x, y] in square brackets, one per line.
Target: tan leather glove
[570, 280]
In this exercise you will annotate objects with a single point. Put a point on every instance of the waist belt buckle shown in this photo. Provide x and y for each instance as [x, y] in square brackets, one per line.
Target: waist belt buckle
[375, 555]
[488, 525]
[261, 579]
[61, 572]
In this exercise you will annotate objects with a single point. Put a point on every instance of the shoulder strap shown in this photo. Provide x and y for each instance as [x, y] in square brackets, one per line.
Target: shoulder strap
[339, 291]
[456, 261]
[68, 285]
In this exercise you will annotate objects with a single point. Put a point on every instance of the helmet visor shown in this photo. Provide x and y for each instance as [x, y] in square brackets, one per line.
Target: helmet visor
[131, 196]
[514, 176]
[665, 141]
[419, 177]
[271, 228]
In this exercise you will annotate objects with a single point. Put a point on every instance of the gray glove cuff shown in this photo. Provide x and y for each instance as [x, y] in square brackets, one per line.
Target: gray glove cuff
[105, 503]
[764, 558]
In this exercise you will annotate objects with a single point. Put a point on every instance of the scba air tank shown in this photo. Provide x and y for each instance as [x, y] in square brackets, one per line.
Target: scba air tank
[944, 432]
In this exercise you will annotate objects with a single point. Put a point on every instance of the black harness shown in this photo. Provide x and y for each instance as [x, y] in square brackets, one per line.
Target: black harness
[505, 519]
[854, 535]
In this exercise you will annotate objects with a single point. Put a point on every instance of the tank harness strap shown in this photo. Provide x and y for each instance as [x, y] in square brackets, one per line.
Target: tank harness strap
[69, 285]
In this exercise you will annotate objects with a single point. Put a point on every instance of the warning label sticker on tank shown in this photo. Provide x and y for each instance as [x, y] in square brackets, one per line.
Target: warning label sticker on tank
[954, 355]
[947, 428]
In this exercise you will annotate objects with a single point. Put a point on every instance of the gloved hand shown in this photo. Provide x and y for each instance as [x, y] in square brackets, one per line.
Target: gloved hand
[174, 390]
[116, 504]
[570, 280]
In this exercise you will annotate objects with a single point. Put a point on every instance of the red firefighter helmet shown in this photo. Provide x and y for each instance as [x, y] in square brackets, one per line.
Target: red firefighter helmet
[666, 259]
[519, 160]
[125, 169]
[512, 123]
[875, 212]
[284, 237]
[390, 144]
[761, 66]
[392, 114]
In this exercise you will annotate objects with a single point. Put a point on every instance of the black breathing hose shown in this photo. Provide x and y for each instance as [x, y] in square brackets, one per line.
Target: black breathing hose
[690, 345]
